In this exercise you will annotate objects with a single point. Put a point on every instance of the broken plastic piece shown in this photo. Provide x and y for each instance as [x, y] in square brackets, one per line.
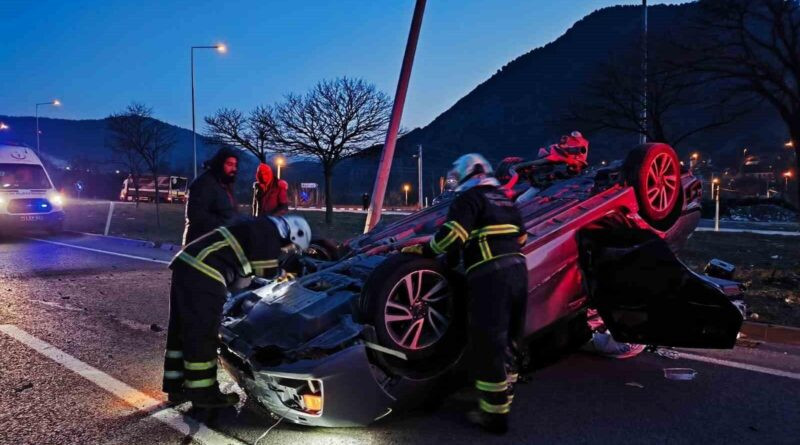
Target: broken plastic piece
[680, 373]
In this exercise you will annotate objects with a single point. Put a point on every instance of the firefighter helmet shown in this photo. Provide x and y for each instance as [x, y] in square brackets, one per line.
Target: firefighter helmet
[469, 166]
[294, 229]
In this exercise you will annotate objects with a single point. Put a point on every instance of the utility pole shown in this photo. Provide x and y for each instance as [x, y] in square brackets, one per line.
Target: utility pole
[643, 136]
[385, 165]
[419, 176]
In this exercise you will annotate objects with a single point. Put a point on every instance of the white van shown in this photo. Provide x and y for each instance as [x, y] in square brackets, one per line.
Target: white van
[28, 199]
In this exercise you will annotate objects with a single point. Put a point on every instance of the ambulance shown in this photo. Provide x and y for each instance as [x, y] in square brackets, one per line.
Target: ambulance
[28, 200]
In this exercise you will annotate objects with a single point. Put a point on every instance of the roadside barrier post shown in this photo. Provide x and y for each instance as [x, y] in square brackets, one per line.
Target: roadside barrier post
[108, 220]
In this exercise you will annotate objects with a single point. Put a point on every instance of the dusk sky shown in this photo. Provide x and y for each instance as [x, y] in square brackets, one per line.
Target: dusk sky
[97, 56]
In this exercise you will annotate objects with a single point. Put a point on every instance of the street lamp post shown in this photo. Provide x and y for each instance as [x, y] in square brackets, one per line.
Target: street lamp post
[786, 176]
[54, 103]
[715, 193]
[406, 188]
[279, 163]
[220, 48]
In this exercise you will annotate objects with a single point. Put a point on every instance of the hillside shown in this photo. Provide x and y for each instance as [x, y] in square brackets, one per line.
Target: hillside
[66, 141]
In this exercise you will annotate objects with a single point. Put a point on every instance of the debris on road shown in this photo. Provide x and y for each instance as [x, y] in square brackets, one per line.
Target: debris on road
[23, 387]
[156, 328]
[680, 373]
[635, 384]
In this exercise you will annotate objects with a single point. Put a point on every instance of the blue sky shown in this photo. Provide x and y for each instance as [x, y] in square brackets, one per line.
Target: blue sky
[97, 56]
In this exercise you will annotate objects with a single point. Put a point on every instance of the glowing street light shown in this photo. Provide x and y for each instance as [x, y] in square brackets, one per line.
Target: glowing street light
[715, 194]
[786, 175]
[789, 144]
[406, 188]
[222, 49]
[55, 103]
[3, 126]
[279, 162]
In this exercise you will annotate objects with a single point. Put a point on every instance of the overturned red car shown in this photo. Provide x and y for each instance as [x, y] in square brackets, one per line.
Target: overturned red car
[367, 330]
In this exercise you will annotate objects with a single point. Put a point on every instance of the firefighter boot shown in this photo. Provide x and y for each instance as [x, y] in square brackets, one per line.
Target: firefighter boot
[211, 398]
[493, 423]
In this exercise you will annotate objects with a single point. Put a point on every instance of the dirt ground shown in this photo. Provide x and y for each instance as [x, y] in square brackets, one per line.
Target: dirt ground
[769, 265]
[131, 221]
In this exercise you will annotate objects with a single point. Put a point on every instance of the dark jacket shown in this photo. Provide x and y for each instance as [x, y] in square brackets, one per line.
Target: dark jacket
[211, 205]
[482, 222]
[249, 247]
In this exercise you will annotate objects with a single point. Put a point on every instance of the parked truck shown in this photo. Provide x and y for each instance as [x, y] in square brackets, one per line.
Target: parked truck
[170, 189]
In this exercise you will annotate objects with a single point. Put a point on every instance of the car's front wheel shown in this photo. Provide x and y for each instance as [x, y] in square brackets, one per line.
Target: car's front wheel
[416, 308]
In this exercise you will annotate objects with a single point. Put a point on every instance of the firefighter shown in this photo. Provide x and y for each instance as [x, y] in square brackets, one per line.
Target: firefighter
[487, 227]
[201, 275]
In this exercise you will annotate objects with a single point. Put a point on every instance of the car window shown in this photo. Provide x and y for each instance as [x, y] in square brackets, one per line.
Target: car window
[23, 176]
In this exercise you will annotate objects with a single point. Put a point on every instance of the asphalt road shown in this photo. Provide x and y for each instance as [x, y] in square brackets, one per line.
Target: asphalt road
[79, 356]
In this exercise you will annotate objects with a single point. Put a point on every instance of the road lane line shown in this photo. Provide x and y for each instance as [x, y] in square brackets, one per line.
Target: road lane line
[737, 365]
[173, 418]
[124, 255]
[756, 231]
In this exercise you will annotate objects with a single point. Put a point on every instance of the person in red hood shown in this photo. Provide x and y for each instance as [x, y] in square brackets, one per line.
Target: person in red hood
[270, 194]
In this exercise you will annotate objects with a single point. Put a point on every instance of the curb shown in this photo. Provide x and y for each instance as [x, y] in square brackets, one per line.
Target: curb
[133, 241]
[136, 242]
[771, 333]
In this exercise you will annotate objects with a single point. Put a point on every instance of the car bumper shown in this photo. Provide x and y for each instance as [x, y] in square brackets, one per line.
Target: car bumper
[32, 221]
[350, 394]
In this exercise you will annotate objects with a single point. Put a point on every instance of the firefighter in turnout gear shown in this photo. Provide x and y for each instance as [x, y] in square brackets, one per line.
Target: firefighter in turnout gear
[487, 227]
[201, 275]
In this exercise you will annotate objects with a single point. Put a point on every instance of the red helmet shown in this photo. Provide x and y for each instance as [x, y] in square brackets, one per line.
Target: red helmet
[572, 149]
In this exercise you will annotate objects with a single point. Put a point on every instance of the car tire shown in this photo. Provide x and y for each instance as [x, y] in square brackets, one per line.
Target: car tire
[653, 170]
[323, 249]
[430, 331]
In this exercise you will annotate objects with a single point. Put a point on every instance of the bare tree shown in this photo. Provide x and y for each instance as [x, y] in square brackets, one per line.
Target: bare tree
[124, 154]
[753, 47]
[615, 97]
[136, 131]
[333, 121]
[254, 133]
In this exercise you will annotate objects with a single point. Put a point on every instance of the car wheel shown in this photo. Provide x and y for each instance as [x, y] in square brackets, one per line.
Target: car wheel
[414, 305]
[323, 249]
[654, 172]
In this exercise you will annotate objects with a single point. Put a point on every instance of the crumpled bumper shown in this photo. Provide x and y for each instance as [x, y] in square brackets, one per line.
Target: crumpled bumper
[350, 394]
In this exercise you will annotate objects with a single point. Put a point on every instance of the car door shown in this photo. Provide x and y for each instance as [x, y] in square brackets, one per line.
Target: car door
[647, 296]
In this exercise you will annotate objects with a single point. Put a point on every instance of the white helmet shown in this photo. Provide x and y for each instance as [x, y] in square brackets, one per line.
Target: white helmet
[468, 166]
[294, 228]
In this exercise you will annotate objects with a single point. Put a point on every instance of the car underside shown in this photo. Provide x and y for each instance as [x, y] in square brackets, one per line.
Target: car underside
[366, 330]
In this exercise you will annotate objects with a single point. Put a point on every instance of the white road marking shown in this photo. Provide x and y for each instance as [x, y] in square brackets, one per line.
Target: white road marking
[757, 232]
[173, 418]
[737, 365]
[124, 255]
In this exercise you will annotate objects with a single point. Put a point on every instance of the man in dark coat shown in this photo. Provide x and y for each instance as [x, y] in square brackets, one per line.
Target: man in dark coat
[211, 201]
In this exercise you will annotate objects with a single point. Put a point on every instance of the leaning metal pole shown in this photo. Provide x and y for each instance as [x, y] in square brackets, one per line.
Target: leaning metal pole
[643, 135]
[385, 165]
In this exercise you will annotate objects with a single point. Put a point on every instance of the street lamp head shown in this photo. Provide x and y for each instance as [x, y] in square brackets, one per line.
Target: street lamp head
[788, 174]
[57, 102]
[406, 187]
[789, 144]
[695, 155]
[715, 181]
[222, 48]
[278, 161]
[3, 126]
